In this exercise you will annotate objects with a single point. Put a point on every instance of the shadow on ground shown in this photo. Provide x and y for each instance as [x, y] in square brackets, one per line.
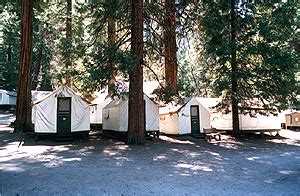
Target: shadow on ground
[181, 165]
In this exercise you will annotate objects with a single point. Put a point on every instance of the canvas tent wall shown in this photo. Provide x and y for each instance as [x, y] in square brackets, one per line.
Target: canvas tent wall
[102, 99]
[8, 97]
[180, 118]
[45, 112]
[115, 115]
[223, 121]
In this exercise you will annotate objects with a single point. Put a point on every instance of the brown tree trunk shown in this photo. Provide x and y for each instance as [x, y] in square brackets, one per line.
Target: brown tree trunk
[234, 81]
[37, 69]
[136, 122]
[171, 66]
[23, 113]
[111, 43]
[69, 43]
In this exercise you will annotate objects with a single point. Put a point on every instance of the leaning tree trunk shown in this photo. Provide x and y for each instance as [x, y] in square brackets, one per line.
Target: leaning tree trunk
[171, 66]
[136, 127]
[68, 63]
[111, 42]
[23, 113]
[234, 81]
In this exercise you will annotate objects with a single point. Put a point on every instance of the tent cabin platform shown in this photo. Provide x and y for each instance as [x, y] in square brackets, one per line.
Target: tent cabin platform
[122, 136]
[61, 138]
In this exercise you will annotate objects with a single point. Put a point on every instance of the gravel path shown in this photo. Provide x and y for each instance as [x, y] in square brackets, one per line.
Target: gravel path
[165, 166]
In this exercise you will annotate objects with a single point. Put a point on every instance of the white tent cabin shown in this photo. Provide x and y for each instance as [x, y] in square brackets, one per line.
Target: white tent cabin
[187, 117]
[115, 116]
[196, 114]
[7, 99]
[62, 112]
[102, 99]
[259, 123]
[96, 107]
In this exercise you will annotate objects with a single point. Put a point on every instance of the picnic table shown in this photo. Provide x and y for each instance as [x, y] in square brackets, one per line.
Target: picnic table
[211, 133]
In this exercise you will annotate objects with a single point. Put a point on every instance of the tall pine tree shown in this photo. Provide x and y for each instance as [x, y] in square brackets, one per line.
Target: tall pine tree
[254, 63]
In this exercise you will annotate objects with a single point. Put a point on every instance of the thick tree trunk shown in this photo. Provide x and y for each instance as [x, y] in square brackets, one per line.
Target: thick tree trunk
[23, 113]
[234, 81]
[136, 124]
[111, 43]
[69, 43]
[37, 69]
[171, 66]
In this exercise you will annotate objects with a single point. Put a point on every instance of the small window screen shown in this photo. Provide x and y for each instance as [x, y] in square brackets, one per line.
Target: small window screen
[64, 104]
[194, 110]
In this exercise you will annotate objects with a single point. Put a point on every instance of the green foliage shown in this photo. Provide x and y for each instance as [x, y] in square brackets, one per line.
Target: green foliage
[11, 21]
[267, 62]
[99, 52]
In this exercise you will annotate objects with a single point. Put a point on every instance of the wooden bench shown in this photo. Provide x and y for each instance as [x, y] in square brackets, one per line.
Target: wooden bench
[211, 133]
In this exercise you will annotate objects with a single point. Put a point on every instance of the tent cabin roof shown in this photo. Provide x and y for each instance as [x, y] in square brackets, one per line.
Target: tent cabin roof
[293, 113]
[57, 92]
[117, 102]
[39, 95]
[175, 107]
[148, 88]
[10, 93]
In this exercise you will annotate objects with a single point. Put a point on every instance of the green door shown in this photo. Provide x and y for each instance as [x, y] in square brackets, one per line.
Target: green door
[195, 122]
[64, 116]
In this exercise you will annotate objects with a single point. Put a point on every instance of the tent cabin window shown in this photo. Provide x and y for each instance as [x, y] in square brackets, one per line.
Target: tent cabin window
[64, 104]
[194, 111]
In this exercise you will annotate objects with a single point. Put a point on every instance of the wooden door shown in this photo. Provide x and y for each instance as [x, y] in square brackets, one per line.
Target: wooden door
[64, 116]
[195, 122]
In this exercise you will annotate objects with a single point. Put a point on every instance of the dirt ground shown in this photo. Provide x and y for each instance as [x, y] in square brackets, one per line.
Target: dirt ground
[164, 166]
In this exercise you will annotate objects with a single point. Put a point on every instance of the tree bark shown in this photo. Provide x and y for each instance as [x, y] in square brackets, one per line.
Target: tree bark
[37, 69]
[111, 43]
[23, 113]
[234, 80]
[171, 66]
[68, 62]
[136, 128]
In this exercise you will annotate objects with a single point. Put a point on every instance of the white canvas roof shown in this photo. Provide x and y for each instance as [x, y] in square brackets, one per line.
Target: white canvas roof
[39, 95]
[10, 93]
[174, 107]
[7, 97]
[115, 115]
[44, 112]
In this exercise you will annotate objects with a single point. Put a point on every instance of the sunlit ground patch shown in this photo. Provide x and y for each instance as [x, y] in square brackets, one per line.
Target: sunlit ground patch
[173, 140]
